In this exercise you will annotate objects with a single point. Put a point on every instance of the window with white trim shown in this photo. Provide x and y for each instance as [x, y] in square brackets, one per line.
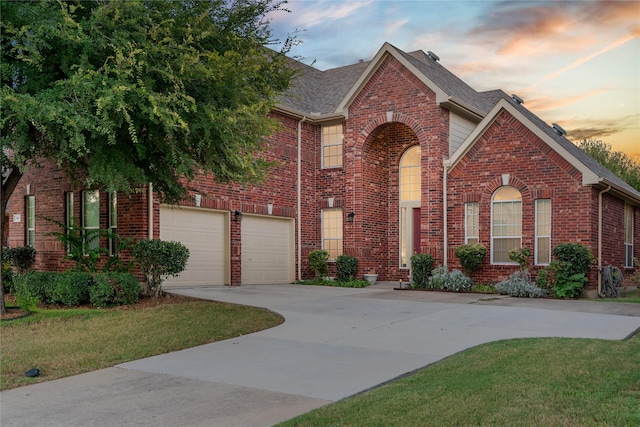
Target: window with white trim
[506, 224]
[30, 223]
[628, 235]
[332, 232]
[543, 232]
[68, 218]
[91, 220]
[410, 194]
[113, 223]
[471, 222]
[332, 146]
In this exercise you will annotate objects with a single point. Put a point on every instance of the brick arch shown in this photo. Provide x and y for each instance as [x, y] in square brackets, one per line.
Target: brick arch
[381, 119]
[514, 182]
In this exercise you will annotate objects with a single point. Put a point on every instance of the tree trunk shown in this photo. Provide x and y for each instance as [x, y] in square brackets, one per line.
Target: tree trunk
[8, 185]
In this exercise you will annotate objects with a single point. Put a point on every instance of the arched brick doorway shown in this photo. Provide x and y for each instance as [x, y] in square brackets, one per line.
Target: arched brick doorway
[376, 236]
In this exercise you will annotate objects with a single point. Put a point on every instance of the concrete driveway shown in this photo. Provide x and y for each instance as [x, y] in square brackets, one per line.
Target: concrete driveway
[334, 343]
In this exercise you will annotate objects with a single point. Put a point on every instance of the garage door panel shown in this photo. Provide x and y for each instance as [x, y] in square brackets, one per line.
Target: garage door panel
[267, 250]
[204, 233]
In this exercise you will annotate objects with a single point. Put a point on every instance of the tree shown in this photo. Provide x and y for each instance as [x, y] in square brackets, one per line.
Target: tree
[123, 93]
[617, 162]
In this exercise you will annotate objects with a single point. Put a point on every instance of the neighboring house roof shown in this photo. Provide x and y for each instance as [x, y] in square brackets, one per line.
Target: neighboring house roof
[325, 95]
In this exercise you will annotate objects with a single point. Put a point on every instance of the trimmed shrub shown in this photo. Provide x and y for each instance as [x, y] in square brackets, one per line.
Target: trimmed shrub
[521, 256]
[471, 256]
[71, 288]
[21, 257]
[159, 259]
[318, 262]
[7, 278]
[421, 267]
[455, 280]
[519, 285]
[578, 258]
[346, 267]
[111, 289]
[38, 284]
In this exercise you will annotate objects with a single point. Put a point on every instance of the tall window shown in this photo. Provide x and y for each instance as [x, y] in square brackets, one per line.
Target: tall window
[543, 232]
[410, 192]
[91, 219]
[30, 207]
[332, 232]
[628, 235]
[506, 223]
[471, 223]
[113, 223]
[69, 220]
[332, 146]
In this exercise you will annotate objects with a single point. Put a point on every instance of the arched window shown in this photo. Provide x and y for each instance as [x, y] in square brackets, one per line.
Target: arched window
[410, 191]
[506, 223]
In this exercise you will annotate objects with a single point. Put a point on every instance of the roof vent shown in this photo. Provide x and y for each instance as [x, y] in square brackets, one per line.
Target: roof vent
[517, 99]
[559, 129]
[433, 56]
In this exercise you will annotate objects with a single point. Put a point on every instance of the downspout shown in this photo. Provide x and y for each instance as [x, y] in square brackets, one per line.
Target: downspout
[150, 214]
[299, 196]
[445, 163]
[600, 238]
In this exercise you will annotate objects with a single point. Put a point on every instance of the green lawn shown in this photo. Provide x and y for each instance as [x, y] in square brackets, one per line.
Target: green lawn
[67, 342]
[524, 382]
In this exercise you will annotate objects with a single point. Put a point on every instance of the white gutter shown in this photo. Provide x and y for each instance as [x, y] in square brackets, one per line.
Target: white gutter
[150, 215]
[299, 195]
[600, 238]
[445, 258]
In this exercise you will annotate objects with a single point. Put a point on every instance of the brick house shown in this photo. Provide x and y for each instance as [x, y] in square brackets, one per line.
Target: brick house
[380, 159]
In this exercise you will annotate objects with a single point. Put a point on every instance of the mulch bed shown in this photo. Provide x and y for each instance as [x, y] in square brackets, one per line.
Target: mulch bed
[14, 312]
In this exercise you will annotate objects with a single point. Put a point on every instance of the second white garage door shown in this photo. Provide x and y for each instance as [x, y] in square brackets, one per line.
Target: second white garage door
[267, 250]
[205, 233]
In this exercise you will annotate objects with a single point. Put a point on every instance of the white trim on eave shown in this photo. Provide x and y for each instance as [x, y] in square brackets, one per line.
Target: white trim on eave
[589, 177]
[386, 49]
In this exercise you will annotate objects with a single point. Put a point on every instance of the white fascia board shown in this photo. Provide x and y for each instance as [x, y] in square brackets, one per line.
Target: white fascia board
[588, 176]
[386, 49]
[312, 118]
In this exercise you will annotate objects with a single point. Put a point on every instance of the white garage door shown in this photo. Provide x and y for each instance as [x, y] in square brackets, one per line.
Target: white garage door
[205, 233]
[267, 250]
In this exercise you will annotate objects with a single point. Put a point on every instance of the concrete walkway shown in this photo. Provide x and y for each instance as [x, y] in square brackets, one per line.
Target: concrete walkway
[334, 343]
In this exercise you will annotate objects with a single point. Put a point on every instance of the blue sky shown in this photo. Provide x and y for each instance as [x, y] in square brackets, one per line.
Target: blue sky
[575, 63]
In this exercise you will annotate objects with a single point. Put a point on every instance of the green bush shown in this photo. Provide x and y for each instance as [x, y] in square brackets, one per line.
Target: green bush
[519, 285]
[21, 257]
[346, 267]
[158, 260]
[421, 267]
[578, 258]
[565, 282]
[7, 277]
[455, 281]
[471, 256]
[111, 289]
[71, 288]
[318, 262]
[38, 284]
[521, 256]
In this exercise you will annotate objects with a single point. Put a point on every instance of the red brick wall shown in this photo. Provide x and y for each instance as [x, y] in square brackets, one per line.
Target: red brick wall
[48, 184]
[509, 148]
[374, 144]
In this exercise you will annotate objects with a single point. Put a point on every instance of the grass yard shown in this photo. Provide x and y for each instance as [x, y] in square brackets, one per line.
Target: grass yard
[64, 342]
[524, 382]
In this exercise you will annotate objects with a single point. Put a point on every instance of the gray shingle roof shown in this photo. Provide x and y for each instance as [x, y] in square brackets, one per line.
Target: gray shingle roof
[316, 92]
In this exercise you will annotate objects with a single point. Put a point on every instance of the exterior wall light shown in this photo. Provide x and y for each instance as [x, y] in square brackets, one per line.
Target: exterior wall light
[238, 216]
[351, 216]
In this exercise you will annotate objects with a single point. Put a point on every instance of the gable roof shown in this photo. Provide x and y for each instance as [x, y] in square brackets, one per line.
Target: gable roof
[326, 95]
[593, 173]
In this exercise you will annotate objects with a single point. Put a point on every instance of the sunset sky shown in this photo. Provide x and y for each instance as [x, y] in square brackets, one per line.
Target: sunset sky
[575, 63]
